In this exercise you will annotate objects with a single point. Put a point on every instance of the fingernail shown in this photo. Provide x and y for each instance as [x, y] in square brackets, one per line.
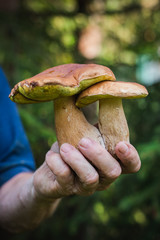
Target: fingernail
[85, 142]
[66, 147]
[122, 148]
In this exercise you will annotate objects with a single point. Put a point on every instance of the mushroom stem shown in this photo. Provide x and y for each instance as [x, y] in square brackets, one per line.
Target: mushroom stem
[112, 123]
[70, 123]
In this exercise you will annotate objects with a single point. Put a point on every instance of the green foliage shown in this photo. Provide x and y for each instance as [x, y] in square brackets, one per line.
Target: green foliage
[44, 33]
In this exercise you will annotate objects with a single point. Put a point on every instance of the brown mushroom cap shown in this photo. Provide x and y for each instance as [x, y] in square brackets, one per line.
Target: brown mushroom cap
[109, 89]
[59, 81]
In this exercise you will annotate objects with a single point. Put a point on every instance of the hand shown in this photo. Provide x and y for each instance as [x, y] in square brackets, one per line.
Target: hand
[83, 171]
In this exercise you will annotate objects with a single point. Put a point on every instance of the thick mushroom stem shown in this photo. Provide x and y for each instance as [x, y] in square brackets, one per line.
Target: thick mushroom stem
[71, 125]
[112, 123]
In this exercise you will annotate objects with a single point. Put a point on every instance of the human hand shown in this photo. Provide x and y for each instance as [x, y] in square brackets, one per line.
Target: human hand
[83, 171]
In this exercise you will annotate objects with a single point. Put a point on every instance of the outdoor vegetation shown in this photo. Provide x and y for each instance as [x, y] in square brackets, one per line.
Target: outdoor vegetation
[125, 36]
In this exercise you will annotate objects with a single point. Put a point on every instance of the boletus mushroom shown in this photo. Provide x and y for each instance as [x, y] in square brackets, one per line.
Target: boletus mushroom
[112, 121]
[61, 84]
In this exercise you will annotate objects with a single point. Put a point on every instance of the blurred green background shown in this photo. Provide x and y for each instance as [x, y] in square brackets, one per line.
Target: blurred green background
[125, 36]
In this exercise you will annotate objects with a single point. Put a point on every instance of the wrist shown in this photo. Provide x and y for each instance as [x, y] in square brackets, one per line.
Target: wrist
[27, 209]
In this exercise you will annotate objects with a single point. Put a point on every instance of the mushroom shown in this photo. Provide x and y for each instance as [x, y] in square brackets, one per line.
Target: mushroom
[60, 84]
[112, 121]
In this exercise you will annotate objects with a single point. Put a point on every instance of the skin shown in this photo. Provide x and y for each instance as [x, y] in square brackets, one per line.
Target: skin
[65, 171]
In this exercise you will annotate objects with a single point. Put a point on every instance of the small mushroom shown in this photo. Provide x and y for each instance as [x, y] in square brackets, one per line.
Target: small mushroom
[112, 121]
[60, 84]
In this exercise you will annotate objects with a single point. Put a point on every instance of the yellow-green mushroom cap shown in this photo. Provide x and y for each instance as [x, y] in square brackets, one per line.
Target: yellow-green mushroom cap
[109, 89]
[60, 81]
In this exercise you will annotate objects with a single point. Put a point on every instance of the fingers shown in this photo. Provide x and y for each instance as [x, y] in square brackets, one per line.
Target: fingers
[61, 172]
[129, 157]
[108, 168]
[88, 177]
[89, 168]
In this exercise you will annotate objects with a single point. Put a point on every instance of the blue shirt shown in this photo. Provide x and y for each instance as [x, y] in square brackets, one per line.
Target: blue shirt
[15, 152]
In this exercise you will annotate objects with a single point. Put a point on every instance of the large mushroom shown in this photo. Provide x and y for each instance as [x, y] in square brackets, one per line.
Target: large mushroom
[112, 121]
[60, 84]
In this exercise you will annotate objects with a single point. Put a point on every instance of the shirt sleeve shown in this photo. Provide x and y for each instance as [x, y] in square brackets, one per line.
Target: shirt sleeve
[15, 152]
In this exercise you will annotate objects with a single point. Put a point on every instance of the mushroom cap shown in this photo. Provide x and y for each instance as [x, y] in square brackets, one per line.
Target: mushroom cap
[109, 89]
[59, 81]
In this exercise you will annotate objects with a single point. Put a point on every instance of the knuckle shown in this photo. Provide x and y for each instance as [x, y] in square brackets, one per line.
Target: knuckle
[48, 154]
[92, 180]
[115, 173]
[49, 157]
[100, 152]
[132, 164]
[64, 172]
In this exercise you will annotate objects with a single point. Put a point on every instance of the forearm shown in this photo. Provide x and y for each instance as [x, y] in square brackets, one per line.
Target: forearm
[20, 208]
